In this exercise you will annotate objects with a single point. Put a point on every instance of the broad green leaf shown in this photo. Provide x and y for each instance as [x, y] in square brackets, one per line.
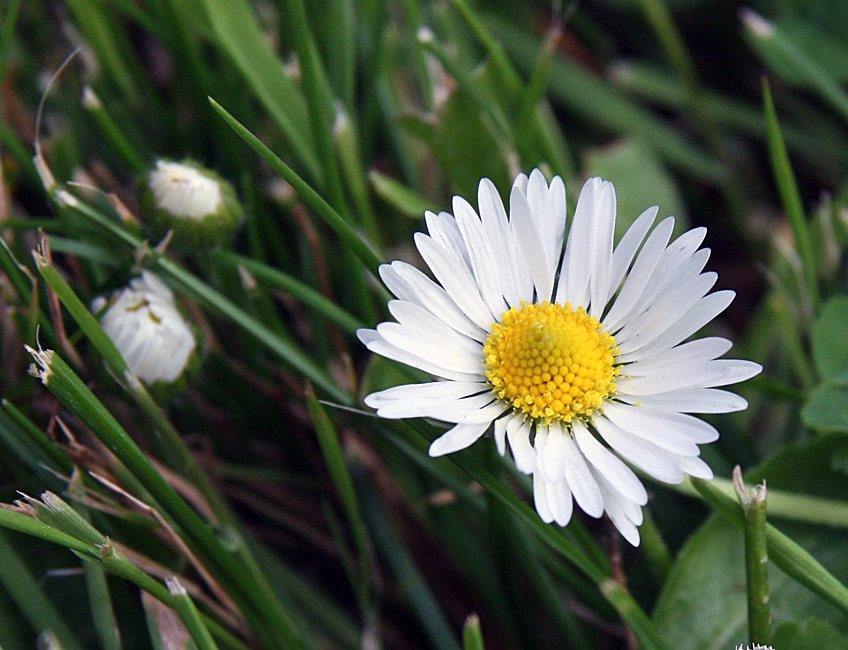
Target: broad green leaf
[810, 634]
[640, 180]
[830, 345]
[703, 604]
[826, 410]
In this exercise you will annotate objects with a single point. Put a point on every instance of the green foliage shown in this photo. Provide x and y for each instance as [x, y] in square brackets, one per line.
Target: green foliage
[263, 506]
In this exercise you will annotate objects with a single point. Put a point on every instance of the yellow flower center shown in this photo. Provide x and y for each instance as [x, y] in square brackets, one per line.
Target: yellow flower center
[551, 361]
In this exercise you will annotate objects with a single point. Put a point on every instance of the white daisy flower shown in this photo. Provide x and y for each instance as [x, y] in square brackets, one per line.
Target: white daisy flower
[575, 357]
[149, 330]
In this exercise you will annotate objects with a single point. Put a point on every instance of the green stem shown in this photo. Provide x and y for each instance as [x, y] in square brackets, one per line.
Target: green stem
[756, 560]
[793, 560]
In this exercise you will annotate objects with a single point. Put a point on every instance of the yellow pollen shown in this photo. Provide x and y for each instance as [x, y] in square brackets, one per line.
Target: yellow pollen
[551, 362]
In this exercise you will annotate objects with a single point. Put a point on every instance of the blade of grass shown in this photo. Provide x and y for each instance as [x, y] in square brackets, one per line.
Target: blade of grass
[791, 197]
[336, 465]
[213, 300]
[297, 289]
[314, 84]
[120, 143]
[102, 610]
[111, 560]
[415, 588]
[272, 622]
[344, 230]
[185, 607]
[25, 590]
[771, 36]
[239, 35]
[6, 34]
[596, 102]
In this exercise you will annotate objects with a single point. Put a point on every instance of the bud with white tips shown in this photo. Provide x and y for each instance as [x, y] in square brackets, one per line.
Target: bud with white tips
[195, 203]
[151, 333]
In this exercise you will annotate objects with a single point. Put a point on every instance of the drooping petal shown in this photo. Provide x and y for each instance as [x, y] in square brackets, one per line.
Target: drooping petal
[457, 438]
[518, 434]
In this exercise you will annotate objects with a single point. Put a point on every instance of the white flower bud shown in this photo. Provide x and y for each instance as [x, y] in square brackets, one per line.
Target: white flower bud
[150, 332]
[195, 203]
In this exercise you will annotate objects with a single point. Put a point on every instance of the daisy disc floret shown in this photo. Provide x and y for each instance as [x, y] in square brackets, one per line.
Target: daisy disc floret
[567, 347]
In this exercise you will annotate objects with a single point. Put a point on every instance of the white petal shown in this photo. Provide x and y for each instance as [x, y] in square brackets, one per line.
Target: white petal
[423, 324]
[517, 285]
[619, 475]
[640, 274]
[695, 376]
[693, 400]
[499, 433]
[557, 219]
[539, 199]
[600, 260]
[702, 313]
[673, 423]
[456, 280]
[665, 314]
[540, 499]
[645, 455]
[530, 244]
[477, 409]
[695, 467]
[427, 347]
[378, 345]
[482, 257]
[618, 515]
[436, 390]
[627, 247]
[574, 272]
[444, 230]
[733, 371]
[559, 500]
[638, 421]
[457, 439]
[693, 352]
[408, 283]
[663, 283]
[580, 479]
[552, 459]
[518, 434]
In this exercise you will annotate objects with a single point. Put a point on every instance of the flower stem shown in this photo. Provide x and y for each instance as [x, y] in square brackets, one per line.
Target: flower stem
[756, 559]
[793, 560]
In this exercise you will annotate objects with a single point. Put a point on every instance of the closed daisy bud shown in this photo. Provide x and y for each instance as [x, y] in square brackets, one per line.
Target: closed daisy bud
[571, 351]
[197, 205]
[151, 333]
